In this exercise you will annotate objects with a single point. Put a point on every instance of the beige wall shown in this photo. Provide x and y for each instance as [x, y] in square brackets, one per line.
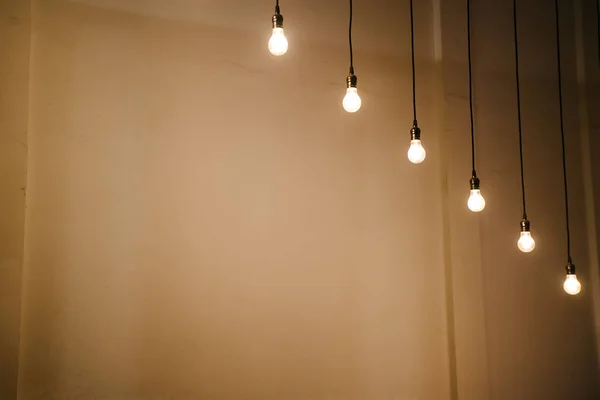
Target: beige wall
[208, 223]
[204, 221]
[14, 91]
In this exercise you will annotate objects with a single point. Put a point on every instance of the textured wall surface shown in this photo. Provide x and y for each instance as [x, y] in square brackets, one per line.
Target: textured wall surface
[204, 221]
[14, 92]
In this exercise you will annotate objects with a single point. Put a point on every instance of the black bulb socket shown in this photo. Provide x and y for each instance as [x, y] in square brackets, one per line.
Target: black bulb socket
[415, 132]
[525, 225]
[277, 20]
[474, 183]
[570, 268]
[351, 80]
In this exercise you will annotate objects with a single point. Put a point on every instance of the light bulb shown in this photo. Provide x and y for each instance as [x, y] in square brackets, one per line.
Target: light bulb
[526, 242]
[416, 152]
[278, 43]
[572, 285]
[476, 201]
[351, 100]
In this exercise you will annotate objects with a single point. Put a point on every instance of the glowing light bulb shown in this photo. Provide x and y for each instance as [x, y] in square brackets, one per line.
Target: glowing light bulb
[572, 285]
[416, 152]
[352, 101]
[526, 242]
[278, 43]
[476, 201]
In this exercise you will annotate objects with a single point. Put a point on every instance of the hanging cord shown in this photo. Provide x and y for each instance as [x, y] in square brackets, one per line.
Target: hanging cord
[562, 132]
[470, 86]
[277, 7]
[350, 41]
[598, 24]
[519, 108]
[412, 43]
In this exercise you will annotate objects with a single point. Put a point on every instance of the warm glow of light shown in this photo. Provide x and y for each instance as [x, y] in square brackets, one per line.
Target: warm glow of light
[416, 152]
[351, 102]
[476, 201]
[572, 285]
[278, 43]
[526, 242]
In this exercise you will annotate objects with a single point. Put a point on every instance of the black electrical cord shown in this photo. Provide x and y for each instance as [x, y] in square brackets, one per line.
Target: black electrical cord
[412, 42]
[598, 24]
[519, 108]
[277, 7]
[350, 41]
[562, 132]
[471, 87]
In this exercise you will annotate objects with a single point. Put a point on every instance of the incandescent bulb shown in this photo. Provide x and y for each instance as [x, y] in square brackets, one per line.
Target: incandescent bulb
[351, 100]
[278, 43]
[416, 152]
[526, 242]
[476, 201]
[572, 285]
